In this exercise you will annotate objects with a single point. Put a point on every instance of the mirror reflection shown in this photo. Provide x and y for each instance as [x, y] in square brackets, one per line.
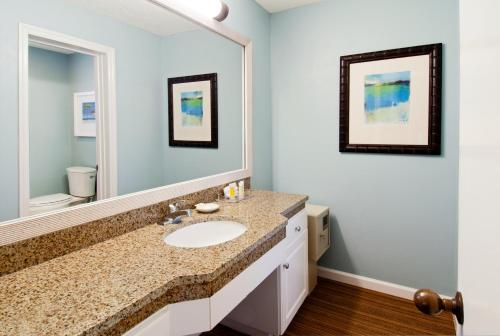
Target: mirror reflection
[119, 97]
[62, 129]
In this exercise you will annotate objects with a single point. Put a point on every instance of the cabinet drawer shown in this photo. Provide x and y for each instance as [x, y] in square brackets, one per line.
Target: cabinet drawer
[296, 225]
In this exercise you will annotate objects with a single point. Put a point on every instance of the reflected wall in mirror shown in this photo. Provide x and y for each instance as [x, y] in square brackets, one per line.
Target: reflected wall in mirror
[124, 53]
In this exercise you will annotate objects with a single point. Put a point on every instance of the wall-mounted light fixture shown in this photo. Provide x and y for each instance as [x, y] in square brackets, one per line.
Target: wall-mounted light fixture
[215, 9]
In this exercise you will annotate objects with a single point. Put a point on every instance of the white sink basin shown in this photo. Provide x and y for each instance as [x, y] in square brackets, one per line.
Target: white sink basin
[205, 234]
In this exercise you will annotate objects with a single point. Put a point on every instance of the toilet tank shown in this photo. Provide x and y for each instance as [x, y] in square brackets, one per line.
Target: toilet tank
[81, 181]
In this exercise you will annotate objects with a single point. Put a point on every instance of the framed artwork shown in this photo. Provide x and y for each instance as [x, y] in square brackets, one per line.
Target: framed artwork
[84, 114]
[193, 111]
[390, 101]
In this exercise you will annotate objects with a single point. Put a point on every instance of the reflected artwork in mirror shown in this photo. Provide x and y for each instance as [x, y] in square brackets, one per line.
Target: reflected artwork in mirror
[193, 111]
[91, 121]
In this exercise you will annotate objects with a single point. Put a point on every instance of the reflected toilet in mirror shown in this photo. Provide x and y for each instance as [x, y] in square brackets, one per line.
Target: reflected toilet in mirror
[82, 189]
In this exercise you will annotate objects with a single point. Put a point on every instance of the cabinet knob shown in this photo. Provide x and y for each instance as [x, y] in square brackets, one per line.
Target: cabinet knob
[286, 266]
[298, 229]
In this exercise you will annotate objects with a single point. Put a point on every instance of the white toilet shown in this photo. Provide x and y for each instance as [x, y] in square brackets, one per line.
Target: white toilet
[81, 188]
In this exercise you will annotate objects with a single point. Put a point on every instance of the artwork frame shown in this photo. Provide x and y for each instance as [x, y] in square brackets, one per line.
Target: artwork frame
[84, 115]
[188, 125]
[418, 136]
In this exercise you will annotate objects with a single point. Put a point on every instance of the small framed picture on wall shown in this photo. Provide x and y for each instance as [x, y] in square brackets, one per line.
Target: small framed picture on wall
[390, 101]
[85, 114]
[193, 111]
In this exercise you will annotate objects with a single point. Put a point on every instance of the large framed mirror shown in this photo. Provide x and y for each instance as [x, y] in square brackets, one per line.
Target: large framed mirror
[120, 105]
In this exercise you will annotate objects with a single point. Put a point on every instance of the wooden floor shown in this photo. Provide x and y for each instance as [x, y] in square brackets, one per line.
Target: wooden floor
[337, 309]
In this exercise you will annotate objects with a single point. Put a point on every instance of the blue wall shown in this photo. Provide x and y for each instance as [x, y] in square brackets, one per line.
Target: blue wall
[202, 52]
[51, 108]
[251, 20]
[83, 149]
[395, 216]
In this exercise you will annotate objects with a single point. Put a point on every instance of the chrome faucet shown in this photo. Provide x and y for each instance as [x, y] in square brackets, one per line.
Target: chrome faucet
[175, 216]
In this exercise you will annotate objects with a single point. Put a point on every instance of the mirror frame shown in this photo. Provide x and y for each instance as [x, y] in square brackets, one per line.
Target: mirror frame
[29, 227]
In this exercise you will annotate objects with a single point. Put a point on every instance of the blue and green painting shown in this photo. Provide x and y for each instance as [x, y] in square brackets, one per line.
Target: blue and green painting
[88, 111]
[192, 108]
[387, 98]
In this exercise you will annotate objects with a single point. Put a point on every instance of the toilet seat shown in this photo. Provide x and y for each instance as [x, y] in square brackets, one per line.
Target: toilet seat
[53, 202]
[50, 200]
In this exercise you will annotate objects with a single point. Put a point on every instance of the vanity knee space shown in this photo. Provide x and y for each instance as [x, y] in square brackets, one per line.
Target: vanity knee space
[270, 308]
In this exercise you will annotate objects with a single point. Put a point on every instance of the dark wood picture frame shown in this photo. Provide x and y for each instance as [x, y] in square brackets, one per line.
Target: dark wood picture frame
[435, 77]
[214, 143]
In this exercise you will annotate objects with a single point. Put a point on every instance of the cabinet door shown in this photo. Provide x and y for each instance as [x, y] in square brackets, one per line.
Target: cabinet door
[294, 280]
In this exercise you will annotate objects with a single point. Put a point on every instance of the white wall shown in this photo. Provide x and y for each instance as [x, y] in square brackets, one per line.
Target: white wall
[479, 224]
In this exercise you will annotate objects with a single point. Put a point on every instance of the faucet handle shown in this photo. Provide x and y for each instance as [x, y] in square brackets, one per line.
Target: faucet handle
[180, 205]
[173, 207]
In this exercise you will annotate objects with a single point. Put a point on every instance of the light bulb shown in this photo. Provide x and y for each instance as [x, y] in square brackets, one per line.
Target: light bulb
[209, 8]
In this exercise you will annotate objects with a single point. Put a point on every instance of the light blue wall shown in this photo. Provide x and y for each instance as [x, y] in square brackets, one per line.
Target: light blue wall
[50, 109]
[251, 20]
[83, 149]
[395, 216]
[202, 52]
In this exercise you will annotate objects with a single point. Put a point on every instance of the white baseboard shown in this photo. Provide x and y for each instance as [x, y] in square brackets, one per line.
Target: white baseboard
[367, 283]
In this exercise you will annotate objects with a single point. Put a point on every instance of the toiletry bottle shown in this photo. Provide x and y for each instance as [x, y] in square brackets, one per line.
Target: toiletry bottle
[241, 190]
[232, 193]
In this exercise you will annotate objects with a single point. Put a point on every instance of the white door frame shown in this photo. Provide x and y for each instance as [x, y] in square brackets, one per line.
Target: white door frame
[104, 61]
[479, 155]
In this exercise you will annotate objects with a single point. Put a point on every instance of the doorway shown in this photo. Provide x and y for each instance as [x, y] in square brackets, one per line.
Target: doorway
[67, 121]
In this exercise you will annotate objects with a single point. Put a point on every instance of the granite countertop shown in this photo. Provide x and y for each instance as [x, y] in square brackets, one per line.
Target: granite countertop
[92, 290]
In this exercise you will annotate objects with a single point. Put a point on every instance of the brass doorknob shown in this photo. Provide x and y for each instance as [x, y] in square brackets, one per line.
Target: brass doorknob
[430, 303]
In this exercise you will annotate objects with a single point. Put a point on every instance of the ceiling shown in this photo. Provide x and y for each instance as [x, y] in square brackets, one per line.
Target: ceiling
[141, 14]
[274, 6]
